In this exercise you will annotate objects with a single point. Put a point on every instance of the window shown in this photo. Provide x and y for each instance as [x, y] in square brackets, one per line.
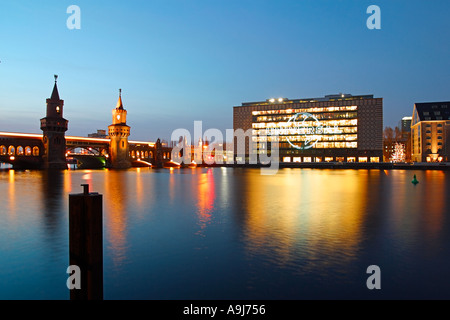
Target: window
[286, 159]
[439, 131]
[318, 159]
[307, 159]
[20, 151]
[374, 159]
[11, 151]
[351, 159]
[362, 159]
[439, 125]
[36, 151]
[440, 138]
[328, 159]
[2, 150]
[297, 159]
[27, 151]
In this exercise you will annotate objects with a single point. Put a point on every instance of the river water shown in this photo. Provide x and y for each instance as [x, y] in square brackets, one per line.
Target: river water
[232, 233]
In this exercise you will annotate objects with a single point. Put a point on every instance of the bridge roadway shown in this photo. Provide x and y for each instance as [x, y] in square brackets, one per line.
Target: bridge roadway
[26, 150]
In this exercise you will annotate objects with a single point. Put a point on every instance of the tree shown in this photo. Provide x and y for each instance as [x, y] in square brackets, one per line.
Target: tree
[399, 154]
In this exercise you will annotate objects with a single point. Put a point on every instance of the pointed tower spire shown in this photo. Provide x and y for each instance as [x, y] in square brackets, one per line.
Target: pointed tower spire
[54, 127]
[55, 93]
[119, 102]
[118, 133]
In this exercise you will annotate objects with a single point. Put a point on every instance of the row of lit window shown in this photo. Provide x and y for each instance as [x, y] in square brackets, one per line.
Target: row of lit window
[306, 124]
[331, 159]
[310, 110]
[317, 145]
[146, 154]
[19, 151]
[332, 130]
[321, 116]
[340, 137]
[143, 154]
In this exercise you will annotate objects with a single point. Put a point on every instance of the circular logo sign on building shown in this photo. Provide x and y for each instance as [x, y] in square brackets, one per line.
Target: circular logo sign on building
[303, 131]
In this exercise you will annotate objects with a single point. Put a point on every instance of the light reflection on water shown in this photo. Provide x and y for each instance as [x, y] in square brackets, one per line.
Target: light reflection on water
[227, 233]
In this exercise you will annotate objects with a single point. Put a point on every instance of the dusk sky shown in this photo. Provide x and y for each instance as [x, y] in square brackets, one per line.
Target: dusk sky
[179, 61]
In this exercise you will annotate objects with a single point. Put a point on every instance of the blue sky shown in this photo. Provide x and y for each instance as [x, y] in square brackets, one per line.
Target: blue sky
[179, 61]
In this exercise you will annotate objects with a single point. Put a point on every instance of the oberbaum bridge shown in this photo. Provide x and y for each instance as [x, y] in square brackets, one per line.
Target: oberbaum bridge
[54, 150]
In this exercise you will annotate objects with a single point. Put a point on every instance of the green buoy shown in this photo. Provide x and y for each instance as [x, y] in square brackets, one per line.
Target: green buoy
[415, 181]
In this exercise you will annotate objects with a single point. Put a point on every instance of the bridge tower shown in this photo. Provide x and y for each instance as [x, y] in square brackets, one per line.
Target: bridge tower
[54, 127]
[118, 133]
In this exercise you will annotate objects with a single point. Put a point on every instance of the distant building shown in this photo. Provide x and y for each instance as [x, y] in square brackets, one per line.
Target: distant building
[406, 124]
[430, 132]
[405, 137]
[341, 128]
[98, 134]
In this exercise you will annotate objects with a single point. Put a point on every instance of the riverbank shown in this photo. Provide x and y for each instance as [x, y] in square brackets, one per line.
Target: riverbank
[311, 165]
[350, 165]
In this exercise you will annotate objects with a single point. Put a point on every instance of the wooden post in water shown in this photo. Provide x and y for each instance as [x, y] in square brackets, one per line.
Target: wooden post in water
[86, 243]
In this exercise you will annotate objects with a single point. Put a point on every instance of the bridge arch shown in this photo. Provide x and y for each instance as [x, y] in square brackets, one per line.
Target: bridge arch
[91, 150]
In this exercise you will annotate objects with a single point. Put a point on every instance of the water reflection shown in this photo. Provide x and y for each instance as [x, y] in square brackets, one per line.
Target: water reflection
[116, 213]
[297, 215]
[269, 237]
[205, 199]
[434, 204]
[11, 208]
[53, 213]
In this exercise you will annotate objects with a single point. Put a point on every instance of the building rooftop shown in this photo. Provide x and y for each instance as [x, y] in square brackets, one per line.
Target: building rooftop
[432, 111]
[332, 97]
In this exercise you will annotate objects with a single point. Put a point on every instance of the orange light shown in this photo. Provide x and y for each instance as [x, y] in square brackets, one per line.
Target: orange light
[12, 158]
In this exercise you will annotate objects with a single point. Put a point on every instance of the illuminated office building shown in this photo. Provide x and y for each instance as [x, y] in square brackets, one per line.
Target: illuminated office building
[336, 128]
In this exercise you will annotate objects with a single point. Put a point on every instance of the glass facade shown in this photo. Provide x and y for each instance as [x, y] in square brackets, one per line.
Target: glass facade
[306, 128]
[298, 130]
